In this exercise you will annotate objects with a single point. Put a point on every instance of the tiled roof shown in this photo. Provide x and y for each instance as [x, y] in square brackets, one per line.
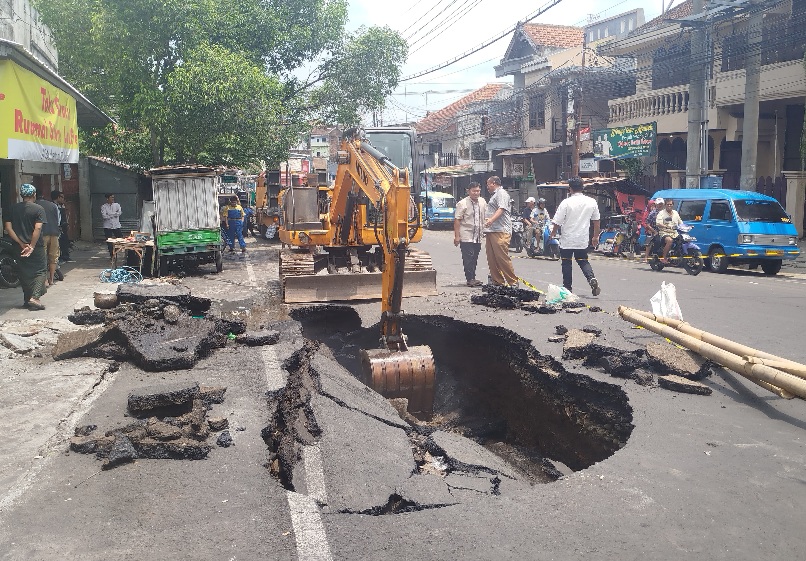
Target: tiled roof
[679, 11]
[438, 119]
[554, 35]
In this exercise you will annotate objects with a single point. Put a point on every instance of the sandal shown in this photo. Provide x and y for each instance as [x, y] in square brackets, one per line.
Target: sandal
[35, 305]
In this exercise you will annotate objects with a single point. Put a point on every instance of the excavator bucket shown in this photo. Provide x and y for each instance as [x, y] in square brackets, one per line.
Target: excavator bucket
[353, 286]
[410, 374]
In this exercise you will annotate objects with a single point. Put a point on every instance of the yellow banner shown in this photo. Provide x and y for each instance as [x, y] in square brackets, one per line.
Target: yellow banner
[37, 120]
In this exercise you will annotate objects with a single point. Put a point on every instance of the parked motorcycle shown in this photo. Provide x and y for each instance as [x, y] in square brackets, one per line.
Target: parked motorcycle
[683, 253]
[516, 240]
[9, 277]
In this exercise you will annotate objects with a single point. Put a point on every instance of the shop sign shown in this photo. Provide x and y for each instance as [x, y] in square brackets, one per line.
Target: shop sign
[37, 120]
[587, 165]
[632, 141]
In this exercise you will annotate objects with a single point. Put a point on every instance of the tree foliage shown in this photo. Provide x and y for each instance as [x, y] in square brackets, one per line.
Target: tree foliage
[215, 82]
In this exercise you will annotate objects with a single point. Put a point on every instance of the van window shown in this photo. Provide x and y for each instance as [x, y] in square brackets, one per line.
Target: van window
[444, 202]
[720, 210]
[691, 211]
[760, 211]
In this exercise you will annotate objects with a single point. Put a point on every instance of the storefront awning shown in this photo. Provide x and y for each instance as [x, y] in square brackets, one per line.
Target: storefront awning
[454, 171]
[527, 151]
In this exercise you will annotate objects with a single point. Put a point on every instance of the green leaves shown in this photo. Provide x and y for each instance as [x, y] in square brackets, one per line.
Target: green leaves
[215, 82]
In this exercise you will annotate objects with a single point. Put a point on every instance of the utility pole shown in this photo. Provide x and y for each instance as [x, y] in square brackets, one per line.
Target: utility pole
[578, 113]
[696, 99]
[747, 181]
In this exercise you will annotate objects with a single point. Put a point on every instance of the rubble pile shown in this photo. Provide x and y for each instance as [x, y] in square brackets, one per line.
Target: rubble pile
[157, 327]
[510, 298]
[172, 423]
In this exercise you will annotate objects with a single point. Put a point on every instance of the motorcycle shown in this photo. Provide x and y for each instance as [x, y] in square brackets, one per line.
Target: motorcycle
[537, 247]
[516, 240]
[9, 277]
[683, 253]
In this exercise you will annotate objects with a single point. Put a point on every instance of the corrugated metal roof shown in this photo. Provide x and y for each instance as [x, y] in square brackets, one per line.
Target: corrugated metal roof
[456, 171]
[524, 151]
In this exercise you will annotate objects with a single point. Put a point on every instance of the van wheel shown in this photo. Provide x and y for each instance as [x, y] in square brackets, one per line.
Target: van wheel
[717, 260]
[771, 267]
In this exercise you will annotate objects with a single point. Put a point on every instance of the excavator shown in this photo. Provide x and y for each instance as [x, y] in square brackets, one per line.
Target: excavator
[351, 241]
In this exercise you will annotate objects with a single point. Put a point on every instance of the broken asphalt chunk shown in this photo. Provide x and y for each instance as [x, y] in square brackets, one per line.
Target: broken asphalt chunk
[176, 294]
[669, 359]
[224, 439]
[577, 344]
[683, 385]
[259, 338]
[145, 400]
[122, 451]
[72, 344]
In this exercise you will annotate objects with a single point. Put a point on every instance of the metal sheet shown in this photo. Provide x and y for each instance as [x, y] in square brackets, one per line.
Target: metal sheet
[361, 286]
[186, 203]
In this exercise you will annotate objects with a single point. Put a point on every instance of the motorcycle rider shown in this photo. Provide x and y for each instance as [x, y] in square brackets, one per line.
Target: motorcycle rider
[540, 217]
[667, 222]
[650, 226]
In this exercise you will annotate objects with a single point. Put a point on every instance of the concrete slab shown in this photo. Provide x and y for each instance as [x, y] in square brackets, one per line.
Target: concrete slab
[75, 343]
[576, 343]
[18, 343]
[367, 459]
[669, 358]
[426, 490]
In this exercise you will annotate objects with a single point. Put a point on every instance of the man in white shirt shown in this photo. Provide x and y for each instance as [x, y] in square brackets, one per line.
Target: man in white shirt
[110, 212]
[666, 223]
[468, 224]
[575, 215]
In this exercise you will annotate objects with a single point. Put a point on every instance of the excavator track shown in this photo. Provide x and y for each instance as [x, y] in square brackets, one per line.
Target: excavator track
[306, 280]
[410, 374]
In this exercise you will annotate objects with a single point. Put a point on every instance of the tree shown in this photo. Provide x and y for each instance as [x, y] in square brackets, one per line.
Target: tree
[217, 82]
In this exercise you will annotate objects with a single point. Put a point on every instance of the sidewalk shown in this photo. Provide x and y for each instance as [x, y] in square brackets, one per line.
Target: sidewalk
[79, 284]
[797, 265]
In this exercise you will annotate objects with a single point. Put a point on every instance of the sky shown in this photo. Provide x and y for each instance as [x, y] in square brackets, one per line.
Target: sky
[434, 38]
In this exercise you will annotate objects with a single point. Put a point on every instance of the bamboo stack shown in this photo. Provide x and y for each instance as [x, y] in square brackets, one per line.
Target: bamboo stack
[781, 376]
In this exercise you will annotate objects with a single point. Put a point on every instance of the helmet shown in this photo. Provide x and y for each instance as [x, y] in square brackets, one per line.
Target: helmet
[530, 200]
[658, 201]
[541, 200]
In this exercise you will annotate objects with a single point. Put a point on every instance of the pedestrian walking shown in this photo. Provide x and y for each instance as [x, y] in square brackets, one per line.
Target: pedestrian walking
[234, 217]
[50, 235]
[498, 231]
[574, 215]
[64, 226]
[110, 212]
[25, 229]
[467, 230]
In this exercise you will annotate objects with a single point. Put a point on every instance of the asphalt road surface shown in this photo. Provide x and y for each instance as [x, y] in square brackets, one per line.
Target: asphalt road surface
[717, 477]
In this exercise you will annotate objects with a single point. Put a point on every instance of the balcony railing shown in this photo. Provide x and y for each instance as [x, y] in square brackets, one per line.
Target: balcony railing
[648, 105]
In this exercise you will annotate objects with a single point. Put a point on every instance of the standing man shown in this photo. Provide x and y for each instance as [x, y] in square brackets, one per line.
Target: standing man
[234, 221]
[25, 228]
[50, 235]
[575, 215]
[467, 230]
[110, 212]
[498, 229]
[526, 218]
[64, 226]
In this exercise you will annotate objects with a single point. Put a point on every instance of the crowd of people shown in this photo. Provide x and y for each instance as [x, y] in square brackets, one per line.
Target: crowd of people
[477, 220]
[38, 227]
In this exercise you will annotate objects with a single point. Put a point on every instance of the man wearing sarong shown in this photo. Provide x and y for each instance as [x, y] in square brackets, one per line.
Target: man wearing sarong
[25, 229]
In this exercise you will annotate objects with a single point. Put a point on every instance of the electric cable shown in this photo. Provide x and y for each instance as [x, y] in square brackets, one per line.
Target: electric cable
[128, 275]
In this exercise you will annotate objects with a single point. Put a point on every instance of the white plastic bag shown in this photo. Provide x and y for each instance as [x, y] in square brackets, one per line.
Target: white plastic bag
[664, 303]
[556, 294]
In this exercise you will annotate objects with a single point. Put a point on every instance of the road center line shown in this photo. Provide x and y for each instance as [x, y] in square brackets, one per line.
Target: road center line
[309, 532]
[314, 474]
[275, 375]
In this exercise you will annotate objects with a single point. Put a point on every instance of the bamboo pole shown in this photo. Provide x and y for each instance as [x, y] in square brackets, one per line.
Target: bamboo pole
[789, 366]
[752, 371]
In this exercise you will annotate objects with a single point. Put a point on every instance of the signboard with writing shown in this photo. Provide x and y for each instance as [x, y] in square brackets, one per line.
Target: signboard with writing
[588, 165]
[632, 141]
[37, 120]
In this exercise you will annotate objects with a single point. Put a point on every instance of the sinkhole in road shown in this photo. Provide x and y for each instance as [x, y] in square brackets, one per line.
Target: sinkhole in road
[495, 387]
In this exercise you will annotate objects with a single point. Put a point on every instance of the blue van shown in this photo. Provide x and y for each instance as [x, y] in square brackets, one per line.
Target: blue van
[736, 227]
[438, 208]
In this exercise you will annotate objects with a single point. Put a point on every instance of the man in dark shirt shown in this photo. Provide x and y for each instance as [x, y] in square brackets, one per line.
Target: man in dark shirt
[25, 229]
[64, 226]
[50, 235]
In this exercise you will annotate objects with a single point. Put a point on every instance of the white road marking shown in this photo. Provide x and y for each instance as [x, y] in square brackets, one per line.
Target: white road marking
[314, 474]
[309, 532]
[55, 443]
[275, 375]
[250, 270]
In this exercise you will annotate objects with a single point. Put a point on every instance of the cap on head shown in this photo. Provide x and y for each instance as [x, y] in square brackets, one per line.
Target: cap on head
[530, 199]
[27, 190]
[658, 201]
[541, 200]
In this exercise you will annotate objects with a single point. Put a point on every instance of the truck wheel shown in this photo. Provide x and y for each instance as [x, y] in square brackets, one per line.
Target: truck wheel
[771, 267]
[717, 260]
[219, 262]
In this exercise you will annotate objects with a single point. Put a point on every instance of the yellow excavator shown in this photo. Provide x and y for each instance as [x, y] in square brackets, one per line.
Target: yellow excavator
[352, 241]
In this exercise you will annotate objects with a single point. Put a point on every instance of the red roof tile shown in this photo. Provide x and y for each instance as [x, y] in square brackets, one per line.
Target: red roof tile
[679, 11]
[439, 119]
[554, 35]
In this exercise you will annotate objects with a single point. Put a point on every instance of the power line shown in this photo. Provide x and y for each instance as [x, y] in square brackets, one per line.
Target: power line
[446, 24]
